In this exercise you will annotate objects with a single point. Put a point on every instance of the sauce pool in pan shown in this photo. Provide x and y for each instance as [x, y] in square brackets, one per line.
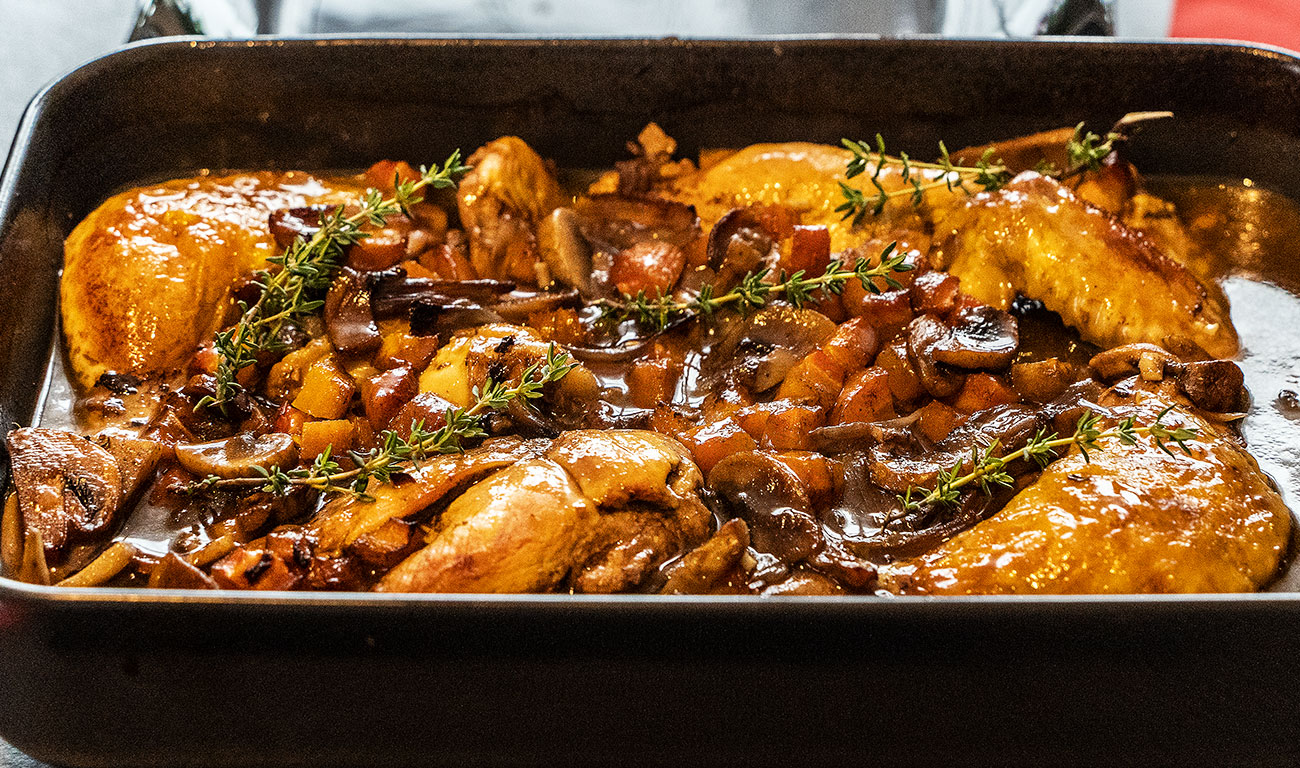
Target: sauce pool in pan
[1246, 239]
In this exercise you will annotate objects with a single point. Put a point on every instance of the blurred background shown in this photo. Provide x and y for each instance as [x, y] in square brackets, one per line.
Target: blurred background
[40, 39]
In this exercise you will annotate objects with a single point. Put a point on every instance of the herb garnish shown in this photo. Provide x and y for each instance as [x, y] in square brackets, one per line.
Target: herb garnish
[306, 268]
[753, 291]
[1084, 151]
[857, 204]
[988, 470]
[397, 454]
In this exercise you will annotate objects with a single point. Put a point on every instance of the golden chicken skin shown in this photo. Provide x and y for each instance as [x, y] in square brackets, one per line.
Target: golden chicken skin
[147, 275]
[1126, 519]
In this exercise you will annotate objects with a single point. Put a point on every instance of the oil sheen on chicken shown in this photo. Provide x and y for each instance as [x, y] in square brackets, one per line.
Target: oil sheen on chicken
[1129, 519]
[147, 274]
[598, 512]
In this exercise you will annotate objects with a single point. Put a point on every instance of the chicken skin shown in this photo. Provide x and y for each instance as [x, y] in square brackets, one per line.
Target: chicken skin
[596, 513]
[1035, 238]
[804, 177]
[146, 275]
[1134, 519]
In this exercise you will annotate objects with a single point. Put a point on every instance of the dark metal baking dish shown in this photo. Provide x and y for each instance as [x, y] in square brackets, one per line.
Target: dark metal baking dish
[110, 677]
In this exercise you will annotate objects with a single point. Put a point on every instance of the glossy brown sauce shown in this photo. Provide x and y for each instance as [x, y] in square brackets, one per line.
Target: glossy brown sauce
[1251, 240]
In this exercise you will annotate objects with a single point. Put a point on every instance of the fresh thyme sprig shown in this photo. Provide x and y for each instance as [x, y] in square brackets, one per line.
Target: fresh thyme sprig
[305, 270]
[754, 291]
[857, 204]
[1086, 150]
[988, 470]
[397, 454]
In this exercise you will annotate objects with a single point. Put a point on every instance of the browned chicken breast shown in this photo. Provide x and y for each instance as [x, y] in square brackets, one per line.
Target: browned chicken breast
[1035, 238]
[145, 276]
[1134, 519]
[597, 513]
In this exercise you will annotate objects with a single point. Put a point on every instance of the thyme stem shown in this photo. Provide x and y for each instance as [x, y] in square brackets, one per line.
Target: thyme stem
[396, 453]
[753, 291]
[305, 269]
[989, 470]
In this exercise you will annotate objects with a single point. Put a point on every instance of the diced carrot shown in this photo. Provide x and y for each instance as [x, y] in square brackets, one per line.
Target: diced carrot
[903, 380]
[887, 313]
[817, 380]
[289, 420]
[777, 221]
[653, 378]
[384, 394]
[425, 407]
[813, 471]
[400, 349]
[652, 266]
[317, 435]
[382, 248]
[667, 421]
[249, 568]
[414, 268]
[984, 390]
[810, 251]
[326, 390]
[853, 345]
[934, 293]
[381, 174]
[937, 420]
[865, 397]
[448, 262]
[753, 418]
[716, 441]
[791, 429]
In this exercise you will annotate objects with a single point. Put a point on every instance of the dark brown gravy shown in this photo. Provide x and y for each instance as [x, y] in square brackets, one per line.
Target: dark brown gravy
[1252, 239]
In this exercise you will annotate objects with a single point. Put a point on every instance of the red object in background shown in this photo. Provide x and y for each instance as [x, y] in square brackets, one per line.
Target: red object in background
[1275, 22]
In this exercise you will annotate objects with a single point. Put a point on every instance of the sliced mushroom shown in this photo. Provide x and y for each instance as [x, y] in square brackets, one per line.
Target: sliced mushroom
[871, 523]
[1045, 380]
[67, 486]
[348, 317]
[288, 224]
[1126, 360]
[716, 564]
[564, 251]
[764, 493]
[758, 352]
[614, 222]
[1215, 385]
[136, 460]
[924, 334]
[983, 339]
[239, 456]
[738, 245]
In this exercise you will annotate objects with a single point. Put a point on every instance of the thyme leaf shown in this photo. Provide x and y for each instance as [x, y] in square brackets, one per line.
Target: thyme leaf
[397, 454]
[304, 272]
[755, 290]
[988, 467]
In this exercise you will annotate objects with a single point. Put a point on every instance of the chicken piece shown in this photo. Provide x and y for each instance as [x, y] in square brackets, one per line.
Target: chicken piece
[1035, 238]
[1133, 520]
[598, 512]
[346, 519]
[147, 273]
[806, 178]
[501, 202]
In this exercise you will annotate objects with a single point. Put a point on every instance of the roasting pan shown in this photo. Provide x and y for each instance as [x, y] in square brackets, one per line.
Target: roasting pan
[111, 677]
